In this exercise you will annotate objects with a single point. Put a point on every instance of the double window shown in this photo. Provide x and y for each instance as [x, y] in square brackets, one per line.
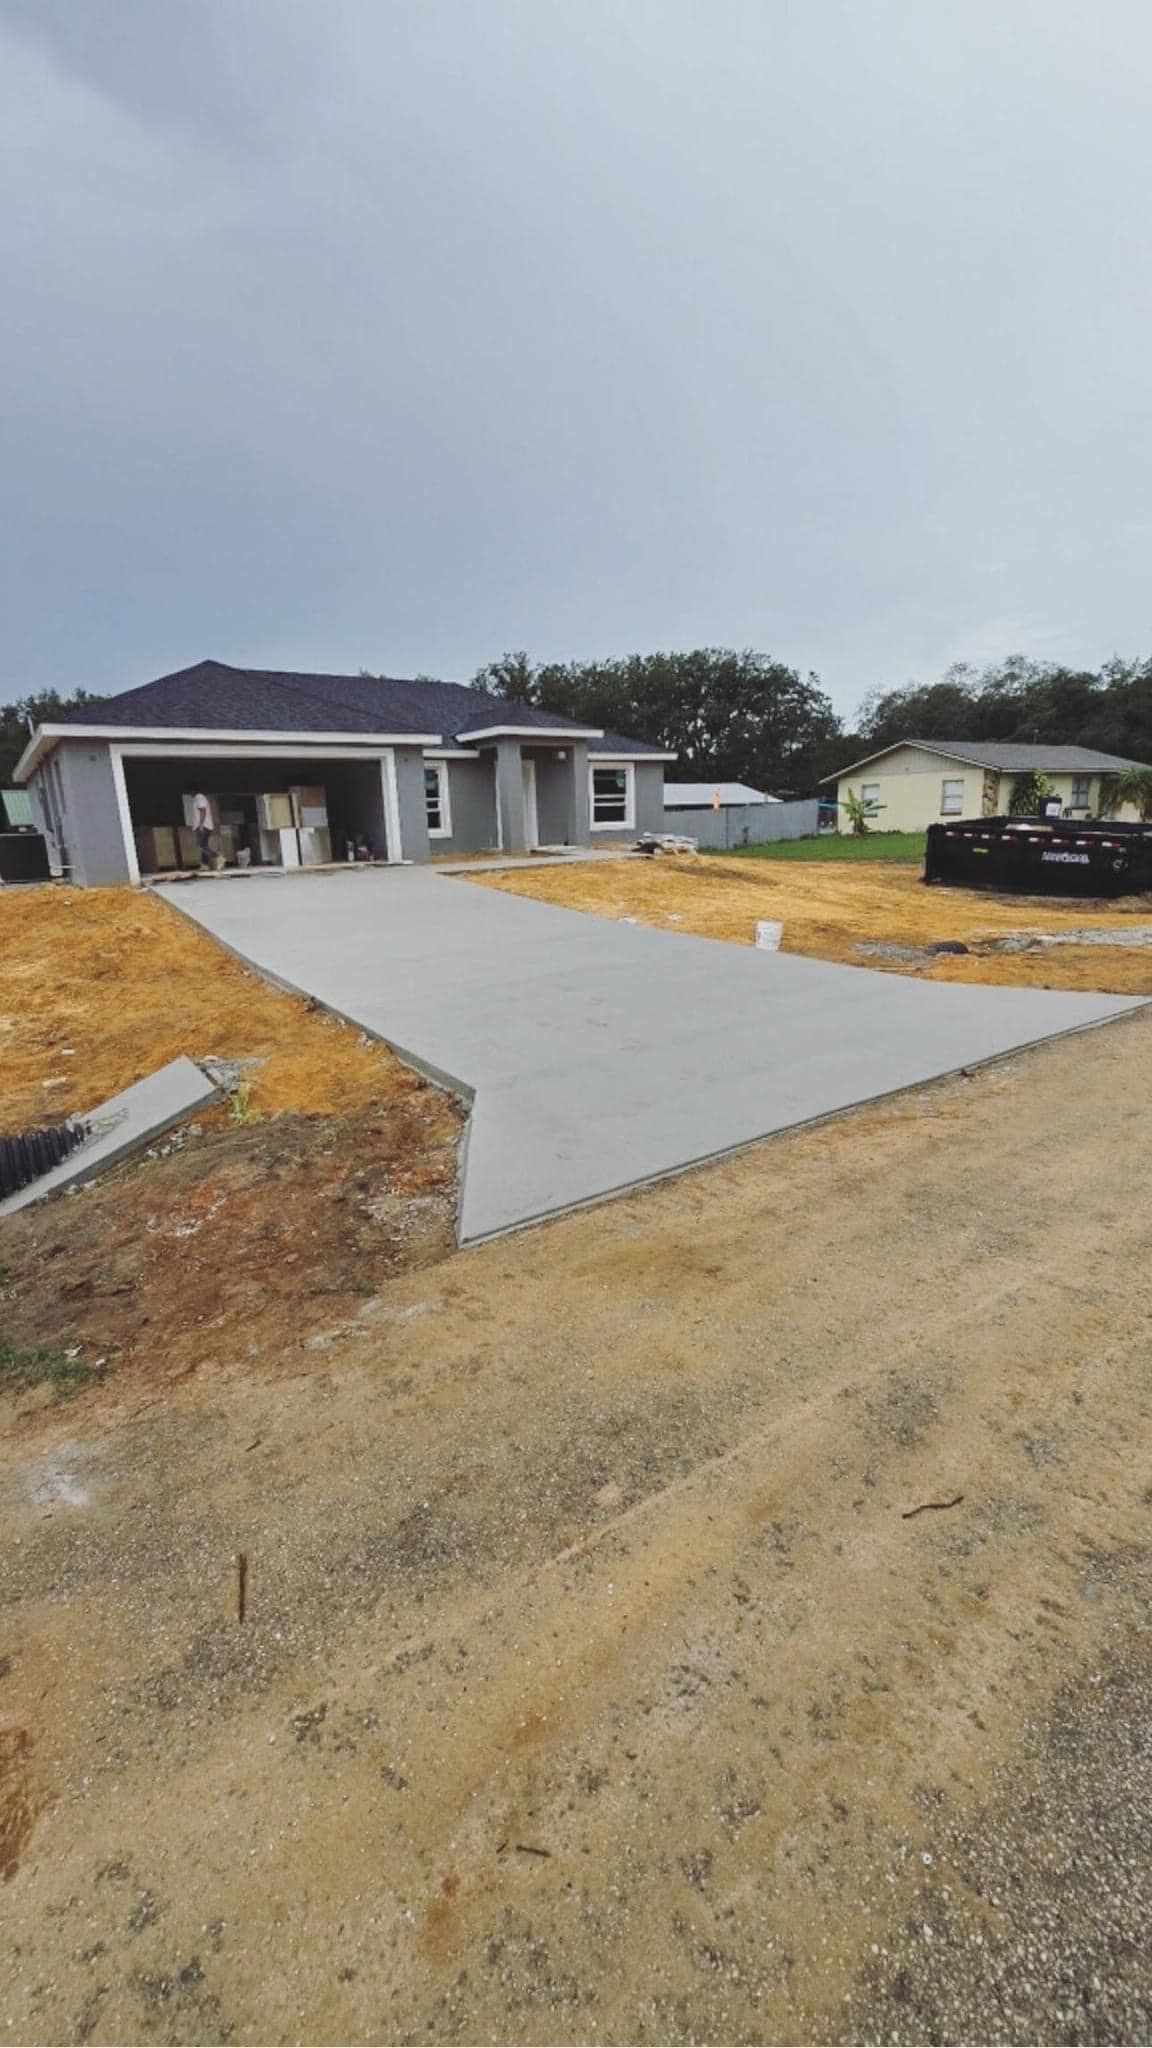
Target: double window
[613, 796]
[436, 799]
[952, 797]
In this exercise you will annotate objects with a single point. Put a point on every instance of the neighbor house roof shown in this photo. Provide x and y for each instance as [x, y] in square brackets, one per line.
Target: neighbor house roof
[213, 697]
[692, 796]
[1007, 757]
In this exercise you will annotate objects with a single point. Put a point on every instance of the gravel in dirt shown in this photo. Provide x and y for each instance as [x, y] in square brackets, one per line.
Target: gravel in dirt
[864, 914]
[594, 1684]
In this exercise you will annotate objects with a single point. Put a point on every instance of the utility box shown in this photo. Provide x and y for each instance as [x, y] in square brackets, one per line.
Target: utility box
[24, 857]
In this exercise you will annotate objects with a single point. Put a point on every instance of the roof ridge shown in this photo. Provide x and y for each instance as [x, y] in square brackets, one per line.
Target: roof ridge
[277, 677]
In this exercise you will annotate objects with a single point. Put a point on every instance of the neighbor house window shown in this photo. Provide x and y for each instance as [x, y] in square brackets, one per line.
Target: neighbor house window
[613, 798]
[1081, 787]
[436, 799]
[870, 793]
[952, 798]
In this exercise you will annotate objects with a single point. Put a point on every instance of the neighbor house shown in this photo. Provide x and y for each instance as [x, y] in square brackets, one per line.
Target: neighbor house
[916, 783]
[298, 769]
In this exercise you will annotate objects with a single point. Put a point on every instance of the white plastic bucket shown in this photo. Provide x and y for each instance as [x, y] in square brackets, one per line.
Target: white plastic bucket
[769, 933]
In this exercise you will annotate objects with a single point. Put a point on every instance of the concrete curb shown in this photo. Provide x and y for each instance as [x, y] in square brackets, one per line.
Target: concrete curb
[122, 1125]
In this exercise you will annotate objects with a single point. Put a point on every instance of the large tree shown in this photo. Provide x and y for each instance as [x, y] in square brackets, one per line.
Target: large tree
[17, 721]
[725, 714]
[1022, 700]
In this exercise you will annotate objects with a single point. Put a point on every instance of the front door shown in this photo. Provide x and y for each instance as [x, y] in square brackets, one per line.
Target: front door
[531, 821]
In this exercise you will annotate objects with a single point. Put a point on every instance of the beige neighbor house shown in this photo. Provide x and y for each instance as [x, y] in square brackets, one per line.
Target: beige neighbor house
[916, 783]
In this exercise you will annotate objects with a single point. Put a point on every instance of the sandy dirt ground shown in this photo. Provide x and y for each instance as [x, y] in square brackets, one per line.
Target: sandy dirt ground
[835, 910]
[248, 1231]
[99, 987]
[597, 1681]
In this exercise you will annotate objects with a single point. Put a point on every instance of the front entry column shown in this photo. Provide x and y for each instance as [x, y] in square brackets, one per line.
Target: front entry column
[510, 797]
[579, 801]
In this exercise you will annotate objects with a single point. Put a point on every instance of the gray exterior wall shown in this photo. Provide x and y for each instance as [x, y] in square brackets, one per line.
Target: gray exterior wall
[414, 841]
[580, 833]
[471, 807]
[650, 812]
[746, 824]
[75, 791]
[553, 796]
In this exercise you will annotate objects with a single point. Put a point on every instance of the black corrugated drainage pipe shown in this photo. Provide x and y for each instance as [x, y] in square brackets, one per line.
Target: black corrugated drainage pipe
[25, 1158]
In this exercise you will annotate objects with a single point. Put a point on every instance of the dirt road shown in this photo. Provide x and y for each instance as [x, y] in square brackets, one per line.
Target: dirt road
[594, 1682]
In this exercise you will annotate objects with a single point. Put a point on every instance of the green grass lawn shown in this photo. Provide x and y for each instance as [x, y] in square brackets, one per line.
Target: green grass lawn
[907, 846]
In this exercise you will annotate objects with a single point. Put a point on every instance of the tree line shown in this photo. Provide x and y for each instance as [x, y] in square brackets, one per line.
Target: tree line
[17, 721]
[736, 715]
[742, 716]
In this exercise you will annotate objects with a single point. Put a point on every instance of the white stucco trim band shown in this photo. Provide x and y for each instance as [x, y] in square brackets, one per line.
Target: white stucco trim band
[543, 735]
[46, 737]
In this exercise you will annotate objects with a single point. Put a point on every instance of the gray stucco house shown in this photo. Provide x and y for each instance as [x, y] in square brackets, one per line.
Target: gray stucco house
[403, 769]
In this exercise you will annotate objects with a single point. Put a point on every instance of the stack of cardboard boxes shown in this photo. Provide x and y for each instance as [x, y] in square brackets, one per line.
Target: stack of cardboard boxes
[267, 829]
[293, 828]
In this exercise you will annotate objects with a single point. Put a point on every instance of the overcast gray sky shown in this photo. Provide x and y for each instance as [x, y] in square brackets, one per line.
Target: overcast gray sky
[401, 332]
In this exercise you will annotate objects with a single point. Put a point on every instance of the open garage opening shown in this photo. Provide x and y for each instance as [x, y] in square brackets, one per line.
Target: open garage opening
[264, 811]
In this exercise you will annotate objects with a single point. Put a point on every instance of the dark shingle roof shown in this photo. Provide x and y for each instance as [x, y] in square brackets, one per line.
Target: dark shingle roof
[619, 743]
[211, 696]
[1009, 757]
[1014, 757]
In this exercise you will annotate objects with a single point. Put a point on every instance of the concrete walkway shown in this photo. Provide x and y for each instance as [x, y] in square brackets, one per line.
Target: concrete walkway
[601, 1054]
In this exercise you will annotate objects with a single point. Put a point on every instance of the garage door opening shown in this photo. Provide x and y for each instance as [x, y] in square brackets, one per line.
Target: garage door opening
[265, 812]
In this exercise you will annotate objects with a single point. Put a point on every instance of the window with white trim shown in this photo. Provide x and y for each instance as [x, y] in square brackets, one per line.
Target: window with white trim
[870, 793]
[436, 799]
[1081, 792]
[952, 797]
[612, 790]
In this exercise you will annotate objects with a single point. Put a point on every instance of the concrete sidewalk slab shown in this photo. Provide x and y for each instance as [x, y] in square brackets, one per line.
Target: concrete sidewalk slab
[121, 1125]
[600, 1055]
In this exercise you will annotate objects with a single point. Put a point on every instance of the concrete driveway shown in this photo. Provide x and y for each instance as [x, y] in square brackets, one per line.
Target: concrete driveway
[599, 1055]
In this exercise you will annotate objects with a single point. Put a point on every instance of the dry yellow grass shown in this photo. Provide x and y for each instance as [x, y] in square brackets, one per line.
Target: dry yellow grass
[99, 987]
[828, 907]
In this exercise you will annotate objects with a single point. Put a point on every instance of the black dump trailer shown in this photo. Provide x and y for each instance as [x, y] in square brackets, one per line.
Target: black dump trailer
[1040, 856]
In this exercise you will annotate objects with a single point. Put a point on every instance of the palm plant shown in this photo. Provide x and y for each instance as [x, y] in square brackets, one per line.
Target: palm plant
[1028, 794]
[1133, 787]
[860, 809]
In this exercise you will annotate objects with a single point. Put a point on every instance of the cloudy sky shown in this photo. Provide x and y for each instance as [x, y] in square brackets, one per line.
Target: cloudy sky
[401, 332]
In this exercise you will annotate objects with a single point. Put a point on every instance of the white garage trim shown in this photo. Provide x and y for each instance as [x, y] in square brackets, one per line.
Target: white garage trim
[124, 809]
[391, 789]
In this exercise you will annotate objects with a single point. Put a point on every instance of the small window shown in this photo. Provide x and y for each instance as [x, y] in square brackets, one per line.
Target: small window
[870, 792]
[952, 797]
[613, 806]
[1081, 792]
[436, 799]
